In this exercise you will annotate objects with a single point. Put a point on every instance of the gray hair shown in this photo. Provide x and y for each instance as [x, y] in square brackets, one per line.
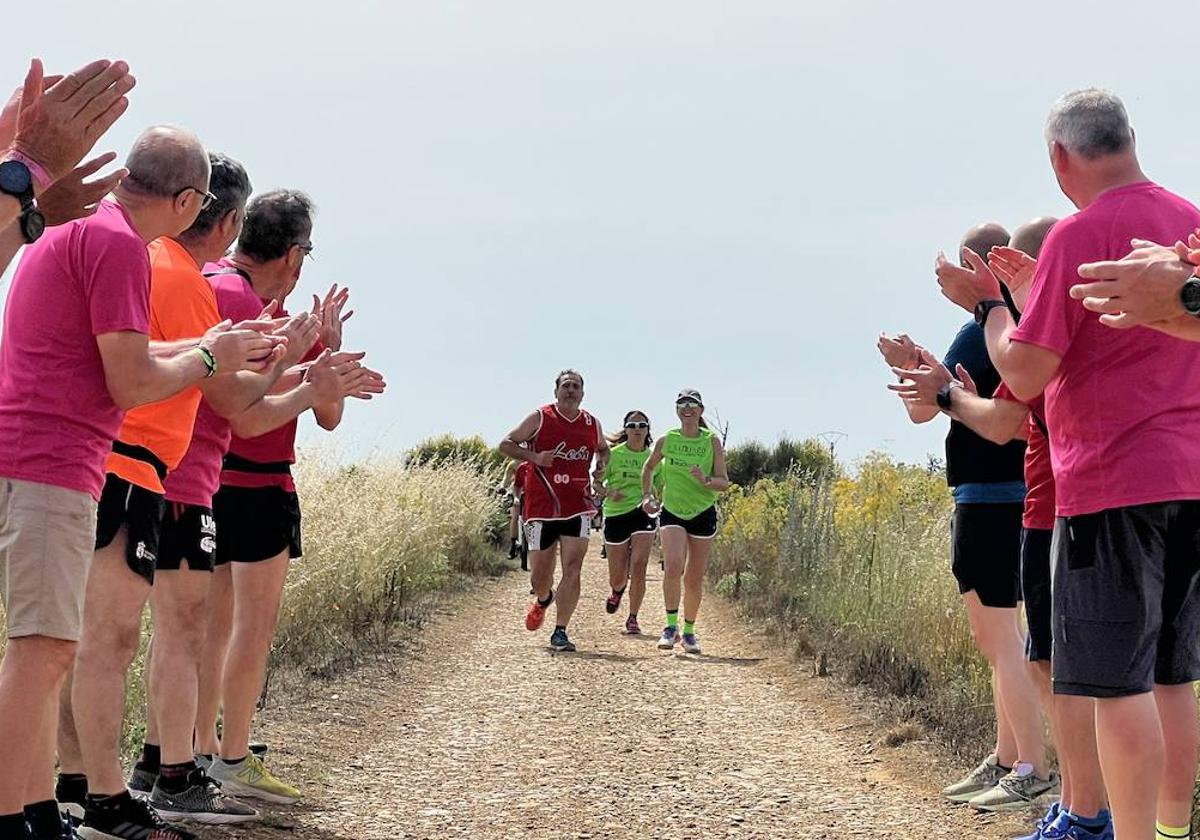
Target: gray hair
[231, 186]
[1091, 123]
[164, 160]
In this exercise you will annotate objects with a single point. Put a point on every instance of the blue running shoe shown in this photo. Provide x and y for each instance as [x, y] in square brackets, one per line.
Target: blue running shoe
[690, 643]
[560, 642]
[670, 636]
[1044, 823]
[1078, 832]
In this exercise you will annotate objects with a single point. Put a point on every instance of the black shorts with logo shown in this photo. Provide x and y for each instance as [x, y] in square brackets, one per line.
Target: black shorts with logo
[189, 538]
[619, 529]
[543, 534]
[702, 526]
[986, 551]
[1126, 599]
[1035, 589]
[140, 512]
[256, 524]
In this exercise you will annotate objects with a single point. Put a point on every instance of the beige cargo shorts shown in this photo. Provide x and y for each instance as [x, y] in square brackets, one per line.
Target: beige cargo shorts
[47, 536]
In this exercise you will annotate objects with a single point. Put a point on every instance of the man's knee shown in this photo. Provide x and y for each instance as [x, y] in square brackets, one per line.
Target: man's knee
[47, 658]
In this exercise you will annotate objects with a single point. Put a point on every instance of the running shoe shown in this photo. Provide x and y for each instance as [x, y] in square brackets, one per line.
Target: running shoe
[1019, 789]
[690, 643]
[613, 602]
[134, 820]
[632, 627]
[141, 781]
[252, 780]
[205, 761]
[1073, 831]
[1049, 819]
[201, 801]
[983, 778]
[534, 616]
[258, 748]
[560, 642]
[668, 639]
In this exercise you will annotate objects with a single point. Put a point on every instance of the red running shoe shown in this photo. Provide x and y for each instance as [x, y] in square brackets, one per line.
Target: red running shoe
[534, 616]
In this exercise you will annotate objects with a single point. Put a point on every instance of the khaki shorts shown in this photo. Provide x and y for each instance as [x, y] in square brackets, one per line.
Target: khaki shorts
[47, 536]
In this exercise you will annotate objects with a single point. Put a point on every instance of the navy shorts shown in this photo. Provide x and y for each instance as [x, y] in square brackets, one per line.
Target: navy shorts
[1126, 606]
[1035, 589]
[986, 551]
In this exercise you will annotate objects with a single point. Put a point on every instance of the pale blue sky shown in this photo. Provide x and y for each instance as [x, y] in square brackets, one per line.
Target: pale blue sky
[730, 196]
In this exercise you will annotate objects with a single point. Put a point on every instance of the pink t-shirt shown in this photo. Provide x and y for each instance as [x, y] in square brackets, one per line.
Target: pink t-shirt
[80, 280]
[1124, 407]
[196, 479]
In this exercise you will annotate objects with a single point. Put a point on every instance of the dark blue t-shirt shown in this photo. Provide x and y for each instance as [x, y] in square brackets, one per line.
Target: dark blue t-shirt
[970, 459]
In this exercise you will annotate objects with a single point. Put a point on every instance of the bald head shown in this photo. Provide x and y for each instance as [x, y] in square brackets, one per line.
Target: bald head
[982, 238]
[1029, 236]
[164, 160]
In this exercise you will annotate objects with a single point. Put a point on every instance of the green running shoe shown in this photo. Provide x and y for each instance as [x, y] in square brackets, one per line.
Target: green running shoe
[252, 780]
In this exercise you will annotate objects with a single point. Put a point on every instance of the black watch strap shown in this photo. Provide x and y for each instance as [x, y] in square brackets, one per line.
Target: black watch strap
[984, 307]
[16, 180]
[943, 395]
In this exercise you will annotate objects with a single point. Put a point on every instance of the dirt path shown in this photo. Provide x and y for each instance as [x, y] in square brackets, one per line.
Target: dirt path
[485, 733]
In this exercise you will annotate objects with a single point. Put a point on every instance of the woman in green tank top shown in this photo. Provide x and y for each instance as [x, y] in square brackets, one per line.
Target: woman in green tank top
[693, 474]
[628, 530]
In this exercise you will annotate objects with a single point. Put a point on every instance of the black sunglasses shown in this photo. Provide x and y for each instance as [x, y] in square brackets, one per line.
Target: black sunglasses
[637, 424]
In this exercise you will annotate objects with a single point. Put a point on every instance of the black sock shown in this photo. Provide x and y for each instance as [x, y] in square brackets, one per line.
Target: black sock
[549, 598]
[620, 591]
[13, 825]
[104, 804]
[561, 627]
[45, 821]
[233, 762]
[151, 757]
[71, 787]
[174, 778]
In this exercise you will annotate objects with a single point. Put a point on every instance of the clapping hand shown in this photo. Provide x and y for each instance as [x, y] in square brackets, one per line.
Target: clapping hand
[968, 286]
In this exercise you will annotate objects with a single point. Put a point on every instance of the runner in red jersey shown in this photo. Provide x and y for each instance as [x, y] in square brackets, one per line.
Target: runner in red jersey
[559, 441]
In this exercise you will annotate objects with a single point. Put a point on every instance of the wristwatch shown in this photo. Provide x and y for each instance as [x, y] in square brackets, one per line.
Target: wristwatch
[15, 180]
[1189, 296]
[943, 395]
[983, 308]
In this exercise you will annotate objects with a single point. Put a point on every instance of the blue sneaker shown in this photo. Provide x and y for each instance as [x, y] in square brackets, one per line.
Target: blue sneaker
[670, 636]
[690, 643]
[1044, 823]
[1078, 832]
[560, 642]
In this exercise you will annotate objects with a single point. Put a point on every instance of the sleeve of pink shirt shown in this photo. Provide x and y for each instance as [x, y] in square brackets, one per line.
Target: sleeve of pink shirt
[1052, 318]
[116, 280]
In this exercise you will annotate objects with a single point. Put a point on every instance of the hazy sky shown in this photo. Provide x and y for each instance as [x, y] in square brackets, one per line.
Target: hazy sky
[730, 196]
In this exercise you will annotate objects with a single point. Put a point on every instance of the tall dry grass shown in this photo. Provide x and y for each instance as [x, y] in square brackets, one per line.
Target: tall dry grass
[860, 562]
[379, 539]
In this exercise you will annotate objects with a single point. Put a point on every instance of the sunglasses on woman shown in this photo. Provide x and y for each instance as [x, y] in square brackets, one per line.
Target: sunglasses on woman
[687, 404]
[637, 424]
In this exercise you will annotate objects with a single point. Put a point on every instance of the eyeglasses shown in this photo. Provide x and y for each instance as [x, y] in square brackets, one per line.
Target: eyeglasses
[208, 198]
[687, 404]
[637, 424]
[306, 247]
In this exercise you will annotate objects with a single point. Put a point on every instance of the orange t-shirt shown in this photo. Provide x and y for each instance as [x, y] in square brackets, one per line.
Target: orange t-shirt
[182, 305]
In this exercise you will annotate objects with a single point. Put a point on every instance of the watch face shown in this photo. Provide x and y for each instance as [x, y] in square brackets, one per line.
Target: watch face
[1191, 296]
[33, 225]
[15, 178]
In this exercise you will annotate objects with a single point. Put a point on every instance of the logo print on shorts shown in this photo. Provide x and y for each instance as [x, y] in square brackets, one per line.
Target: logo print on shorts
[208, 545]
[208, 525]
[143, 553]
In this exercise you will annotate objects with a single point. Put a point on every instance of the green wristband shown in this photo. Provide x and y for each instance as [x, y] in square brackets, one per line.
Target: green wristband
[210, 361]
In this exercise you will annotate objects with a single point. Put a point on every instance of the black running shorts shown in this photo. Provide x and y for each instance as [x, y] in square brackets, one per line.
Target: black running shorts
[702, 526]
[189, 538]
[1126, 605]
[986, 552]
[543, 534]
[1035, 589]
[256, 524]
[140, 512]
[619, 529]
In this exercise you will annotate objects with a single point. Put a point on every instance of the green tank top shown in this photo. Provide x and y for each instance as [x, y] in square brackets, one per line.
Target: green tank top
[683, 495]
[623, 475]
